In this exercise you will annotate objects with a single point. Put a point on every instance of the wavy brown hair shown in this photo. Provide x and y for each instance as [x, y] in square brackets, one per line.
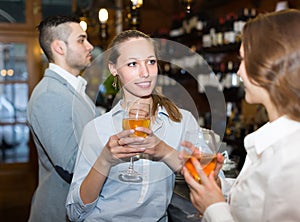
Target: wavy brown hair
[157, 99]
[272, 58]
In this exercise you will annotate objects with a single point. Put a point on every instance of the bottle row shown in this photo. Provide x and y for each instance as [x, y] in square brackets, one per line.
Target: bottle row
[214, 31]
[225, 72]
[226, 30]
[218, 80]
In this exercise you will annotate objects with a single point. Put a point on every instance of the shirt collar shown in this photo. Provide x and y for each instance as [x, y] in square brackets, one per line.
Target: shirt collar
[270, 133]
[75, 82]
[117, 109]
[162, 110]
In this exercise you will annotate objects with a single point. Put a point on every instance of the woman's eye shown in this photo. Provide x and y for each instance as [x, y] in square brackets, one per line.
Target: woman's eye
[131, 64]
[152, 61]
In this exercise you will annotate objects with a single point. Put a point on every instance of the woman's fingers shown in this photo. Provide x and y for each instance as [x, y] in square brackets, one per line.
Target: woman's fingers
[200, 172]
[144, 130]
[219, 165]
[193, 184]
[123, 134]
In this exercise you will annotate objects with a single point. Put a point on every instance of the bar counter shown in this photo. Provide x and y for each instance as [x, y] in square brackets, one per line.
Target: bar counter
[181, 208]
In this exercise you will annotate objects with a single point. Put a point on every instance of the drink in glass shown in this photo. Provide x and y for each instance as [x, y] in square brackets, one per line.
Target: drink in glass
[208, 163]
[136, 114]
[205, 150]
[131, 123]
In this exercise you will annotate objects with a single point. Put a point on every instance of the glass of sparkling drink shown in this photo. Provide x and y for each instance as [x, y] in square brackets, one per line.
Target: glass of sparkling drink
[137, 114]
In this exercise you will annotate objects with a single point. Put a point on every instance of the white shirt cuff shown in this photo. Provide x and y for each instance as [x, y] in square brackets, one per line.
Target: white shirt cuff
[218, 212]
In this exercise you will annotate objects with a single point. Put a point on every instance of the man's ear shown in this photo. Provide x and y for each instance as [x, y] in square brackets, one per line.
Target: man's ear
[112, 69]
[58, 46]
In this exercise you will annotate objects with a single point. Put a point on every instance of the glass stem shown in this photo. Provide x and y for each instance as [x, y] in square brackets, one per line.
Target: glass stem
[131, 163]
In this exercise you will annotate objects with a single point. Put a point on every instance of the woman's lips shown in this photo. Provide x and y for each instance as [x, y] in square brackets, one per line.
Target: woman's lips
[144, 84]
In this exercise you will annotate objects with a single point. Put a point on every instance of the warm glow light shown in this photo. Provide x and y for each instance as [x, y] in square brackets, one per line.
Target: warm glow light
[3, 72]
[10, 72]
[83, 25]
[137, 3]
[140, 3]
[103, 15]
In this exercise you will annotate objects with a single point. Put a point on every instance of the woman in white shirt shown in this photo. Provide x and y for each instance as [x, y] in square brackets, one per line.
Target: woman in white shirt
[267, 188]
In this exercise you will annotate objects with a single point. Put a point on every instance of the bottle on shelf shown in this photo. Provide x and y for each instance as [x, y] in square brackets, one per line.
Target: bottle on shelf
[177, 29]
[220, 31]
[235, 79]
[222, 74]
[229, 34]
[240, 22]
[206, 38]
[213, 32]
[228, 77]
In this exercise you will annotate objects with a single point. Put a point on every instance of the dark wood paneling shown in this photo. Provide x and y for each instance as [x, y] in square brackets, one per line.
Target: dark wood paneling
[16, 190]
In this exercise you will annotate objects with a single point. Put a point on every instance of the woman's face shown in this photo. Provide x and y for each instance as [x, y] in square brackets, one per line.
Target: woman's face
[136, 68]
[254, 93]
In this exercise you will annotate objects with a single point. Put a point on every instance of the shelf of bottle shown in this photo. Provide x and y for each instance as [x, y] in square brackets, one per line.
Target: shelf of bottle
[196, 40]
[232, 47]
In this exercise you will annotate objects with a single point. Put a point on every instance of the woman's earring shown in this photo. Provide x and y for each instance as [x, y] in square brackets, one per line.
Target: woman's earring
[115, 82]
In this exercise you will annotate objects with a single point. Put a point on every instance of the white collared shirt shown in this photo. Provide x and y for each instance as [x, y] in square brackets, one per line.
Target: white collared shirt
[76, 82]
[122, 201]
[267, 188]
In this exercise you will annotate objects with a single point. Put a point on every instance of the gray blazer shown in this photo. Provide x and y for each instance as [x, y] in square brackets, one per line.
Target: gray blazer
[57, 113]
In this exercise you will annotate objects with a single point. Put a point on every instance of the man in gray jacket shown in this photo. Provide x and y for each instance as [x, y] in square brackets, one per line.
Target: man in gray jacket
[57, 111]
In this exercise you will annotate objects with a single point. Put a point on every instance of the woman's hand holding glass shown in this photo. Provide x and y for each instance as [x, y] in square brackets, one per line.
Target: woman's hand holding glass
[157, 150]
[207, 192]
[202, 179]
[122, 146]
[219, 158]
[136, 114]
[154, 146]
[135, 141]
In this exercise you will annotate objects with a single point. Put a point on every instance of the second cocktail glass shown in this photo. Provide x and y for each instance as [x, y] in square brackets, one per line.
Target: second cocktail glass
[205, 151]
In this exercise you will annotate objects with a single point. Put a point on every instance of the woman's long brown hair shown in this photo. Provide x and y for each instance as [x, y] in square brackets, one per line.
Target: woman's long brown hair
[272, 58]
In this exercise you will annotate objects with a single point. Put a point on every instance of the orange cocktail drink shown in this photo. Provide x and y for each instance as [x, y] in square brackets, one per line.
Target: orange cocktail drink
[208, 163]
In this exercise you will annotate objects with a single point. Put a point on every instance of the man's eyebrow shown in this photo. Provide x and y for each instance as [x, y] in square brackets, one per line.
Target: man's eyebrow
[82, 36]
